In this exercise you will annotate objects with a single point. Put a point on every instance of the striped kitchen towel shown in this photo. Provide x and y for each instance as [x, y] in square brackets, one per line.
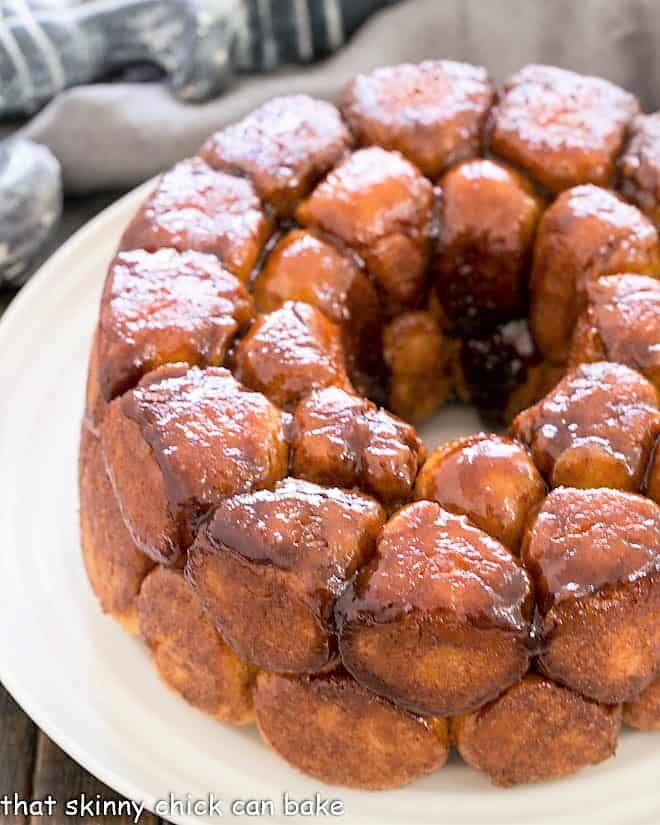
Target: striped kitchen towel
[47, 46]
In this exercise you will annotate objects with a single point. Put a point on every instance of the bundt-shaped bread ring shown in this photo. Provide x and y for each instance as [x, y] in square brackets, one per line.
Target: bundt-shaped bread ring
[279, 538]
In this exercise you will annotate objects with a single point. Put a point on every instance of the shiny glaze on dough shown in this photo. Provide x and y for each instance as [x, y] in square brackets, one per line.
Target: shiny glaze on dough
[195, 207]
[487, 478]
[561, 127]
[165, 307]
[380, 205]
[584, 540]
[290, 352]
[433, 112]
[621, 323]
[285, 146]
[587, 233]
[595, 429]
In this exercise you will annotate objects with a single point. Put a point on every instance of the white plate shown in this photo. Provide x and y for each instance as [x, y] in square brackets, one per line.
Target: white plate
[92, 688]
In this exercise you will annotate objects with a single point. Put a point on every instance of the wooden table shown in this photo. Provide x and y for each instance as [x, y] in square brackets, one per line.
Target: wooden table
[32, 766]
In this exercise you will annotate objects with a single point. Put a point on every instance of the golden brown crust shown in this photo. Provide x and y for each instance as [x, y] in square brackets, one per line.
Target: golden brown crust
[621, 323]
[285, 146]
[536, 731]
[417, 356]
[380, 205]
[438, 621]
[561, 127]
[488, 216]
[639, 166]
[594, 556]
[195, 207]
[94, 402]
[304, 266]
[587, 233]
[166, 307]
[188, 652]
[643, 712]
[115, 566]
[290, 352]
[340, 733]
[595, 429]
[269, 566]
[487, 478]
[432, 112]
[183, 439]
[346, 441]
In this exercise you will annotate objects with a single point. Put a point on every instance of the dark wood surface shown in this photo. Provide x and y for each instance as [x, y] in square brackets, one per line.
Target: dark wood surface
[31, 765]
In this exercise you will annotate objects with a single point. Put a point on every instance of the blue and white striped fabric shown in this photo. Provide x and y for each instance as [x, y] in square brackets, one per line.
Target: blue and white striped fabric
[50, 45]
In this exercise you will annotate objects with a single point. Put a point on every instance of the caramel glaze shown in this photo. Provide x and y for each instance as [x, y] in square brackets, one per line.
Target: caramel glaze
[433, 112]
[432, 561]
[210, 436]
[285, 146]
[439, 620]
[488, 478]
[621, 323]
[488, 217]
[345, 440]
[595, 429]
[588, 232]
[166, 307]
[290, 352]
[380, 205]
[561, 127]
[639, 166]
[584, 540]
[195, 207]
[305, 266]
[303, 542]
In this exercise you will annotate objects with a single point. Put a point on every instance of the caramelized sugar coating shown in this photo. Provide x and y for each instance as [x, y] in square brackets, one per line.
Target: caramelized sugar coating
[303, 266]
[639, 166]
[621, 323]
[488, 217]
[290, 352]
[345, 440]
[561, 127]
[644, 711]
[432, 112]
[535, 731]
[165, 307]
[182, 440]
[587, 233]
[438, 622]
[195, 207]
[489, 479]
[417, 355]
[285, 146]
[594, 556]
[595, 429]
[269, 566]
[331, 727]
[380, 205]
[115, 567]
[188, 653]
